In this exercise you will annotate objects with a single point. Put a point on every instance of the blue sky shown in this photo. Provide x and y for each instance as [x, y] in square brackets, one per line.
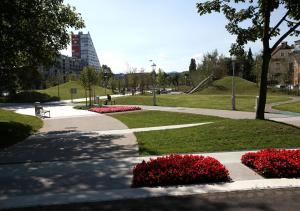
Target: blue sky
[128, 33]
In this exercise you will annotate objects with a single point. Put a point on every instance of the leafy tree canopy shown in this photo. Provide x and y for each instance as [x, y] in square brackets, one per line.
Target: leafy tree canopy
[238, 12]
[250, 21]
[32, 32]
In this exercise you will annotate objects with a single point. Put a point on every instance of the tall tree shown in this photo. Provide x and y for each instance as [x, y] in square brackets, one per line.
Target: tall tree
[248, 67]
[88, 79]
[161, 78]
[193, 65]
[33, 32]
[259, 15]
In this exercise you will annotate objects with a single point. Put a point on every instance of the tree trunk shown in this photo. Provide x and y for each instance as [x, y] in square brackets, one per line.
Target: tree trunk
[85, 98]
[260, 112]
[90, 96]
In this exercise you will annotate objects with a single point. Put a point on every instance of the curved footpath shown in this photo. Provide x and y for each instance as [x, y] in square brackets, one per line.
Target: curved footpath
[270, 109]
[68, 135]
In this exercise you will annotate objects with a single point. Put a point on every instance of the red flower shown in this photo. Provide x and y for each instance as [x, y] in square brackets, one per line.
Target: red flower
[274, 162]
[179, 169]
[111, 109]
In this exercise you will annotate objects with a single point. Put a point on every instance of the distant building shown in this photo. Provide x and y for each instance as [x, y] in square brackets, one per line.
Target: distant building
[83, 54]
[64, 65]
[296, 63]
[280, 67]
[83, 48]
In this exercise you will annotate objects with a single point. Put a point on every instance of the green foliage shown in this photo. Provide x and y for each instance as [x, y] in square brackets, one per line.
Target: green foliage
[193, 65]
[161, 78]
[16, 127]
[88, 78]
[32, 33]
[31, 97]
[259, 16]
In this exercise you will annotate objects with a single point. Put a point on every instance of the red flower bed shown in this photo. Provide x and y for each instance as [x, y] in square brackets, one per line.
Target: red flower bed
[111, 109]
[275, 163]
[179, 169]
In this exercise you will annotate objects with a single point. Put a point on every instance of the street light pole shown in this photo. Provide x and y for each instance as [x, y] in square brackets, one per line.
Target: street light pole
[154, 77]
[233, 58]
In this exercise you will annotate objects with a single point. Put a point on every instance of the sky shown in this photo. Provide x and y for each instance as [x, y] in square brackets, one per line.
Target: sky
[129, 33]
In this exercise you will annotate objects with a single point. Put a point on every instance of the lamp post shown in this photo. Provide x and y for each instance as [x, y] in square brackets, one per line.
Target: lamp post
[153, 78]
[233, 58]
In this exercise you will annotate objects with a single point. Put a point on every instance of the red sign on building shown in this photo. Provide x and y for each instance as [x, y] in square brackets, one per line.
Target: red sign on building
[75, 46]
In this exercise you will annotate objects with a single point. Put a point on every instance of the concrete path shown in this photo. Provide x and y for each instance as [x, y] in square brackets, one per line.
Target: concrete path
[211, 112]
[44, 183]
[69, 136]
[259, 200]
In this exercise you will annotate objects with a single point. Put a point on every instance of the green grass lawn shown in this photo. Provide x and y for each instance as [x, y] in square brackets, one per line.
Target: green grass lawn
[243, 102]
[222, 135]
[160, 118]
[292, 107]
[64, 90]
[16, 127]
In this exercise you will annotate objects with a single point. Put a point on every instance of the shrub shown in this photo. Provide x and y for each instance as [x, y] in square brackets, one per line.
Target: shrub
[31, 97]
[112, 109]
[274, 163]
[179, 169]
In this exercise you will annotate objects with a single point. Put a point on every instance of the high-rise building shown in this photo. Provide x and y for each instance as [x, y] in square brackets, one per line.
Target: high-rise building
[83, 48]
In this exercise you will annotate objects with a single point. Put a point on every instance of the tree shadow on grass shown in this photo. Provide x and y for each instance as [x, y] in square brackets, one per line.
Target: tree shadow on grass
[13, 132]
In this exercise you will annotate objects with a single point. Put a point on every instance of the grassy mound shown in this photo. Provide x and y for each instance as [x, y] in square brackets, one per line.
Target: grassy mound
[16, 127]
[64, 90]
[224, 86]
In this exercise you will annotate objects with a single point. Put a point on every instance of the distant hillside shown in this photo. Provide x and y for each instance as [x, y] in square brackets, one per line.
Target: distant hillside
[224, 86]
[64, 90]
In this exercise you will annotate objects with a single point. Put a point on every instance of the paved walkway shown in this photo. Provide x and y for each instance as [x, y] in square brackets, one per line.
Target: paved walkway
[44, 183]
[259, 200]
[68, 135]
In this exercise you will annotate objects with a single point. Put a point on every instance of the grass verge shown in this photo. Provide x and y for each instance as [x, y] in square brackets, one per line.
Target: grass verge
[243, 102]
[292, 107]
[222, 135]
[16, 127]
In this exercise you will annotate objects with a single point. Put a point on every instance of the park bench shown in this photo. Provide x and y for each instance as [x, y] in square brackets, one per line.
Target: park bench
[109, 100]
[40, 111]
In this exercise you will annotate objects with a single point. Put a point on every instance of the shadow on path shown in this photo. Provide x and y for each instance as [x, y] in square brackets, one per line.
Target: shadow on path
[63, 147]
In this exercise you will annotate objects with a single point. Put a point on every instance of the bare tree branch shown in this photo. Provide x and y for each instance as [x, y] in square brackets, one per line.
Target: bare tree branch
[280, 22]
[284, 36]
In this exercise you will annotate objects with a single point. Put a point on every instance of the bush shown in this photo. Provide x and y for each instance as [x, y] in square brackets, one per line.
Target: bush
[31, 97]
[179, 169]
[112, 109]
[274, 163]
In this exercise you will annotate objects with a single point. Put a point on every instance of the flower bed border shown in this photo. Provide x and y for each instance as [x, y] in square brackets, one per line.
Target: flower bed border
[274, 163]
[179, 170]
[114, 109]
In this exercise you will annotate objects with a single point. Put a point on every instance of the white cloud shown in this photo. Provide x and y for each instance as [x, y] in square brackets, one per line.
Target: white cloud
[115, 60]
